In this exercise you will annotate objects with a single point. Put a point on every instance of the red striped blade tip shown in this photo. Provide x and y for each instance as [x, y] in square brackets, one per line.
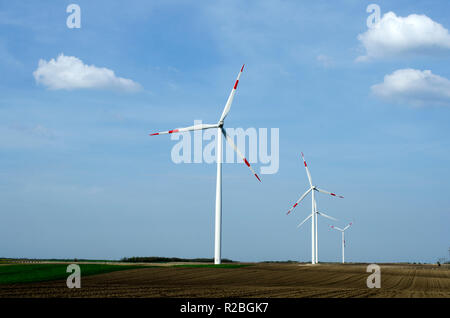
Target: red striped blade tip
[155, 134]
[242, 68]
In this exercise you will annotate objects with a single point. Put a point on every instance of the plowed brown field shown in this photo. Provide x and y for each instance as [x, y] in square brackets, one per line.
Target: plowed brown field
[258, 280]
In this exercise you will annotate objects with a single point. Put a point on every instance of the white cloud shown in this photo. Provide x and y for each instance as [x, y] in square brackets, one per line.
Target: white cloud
[69, 72]
[419, 88]
[393, 36]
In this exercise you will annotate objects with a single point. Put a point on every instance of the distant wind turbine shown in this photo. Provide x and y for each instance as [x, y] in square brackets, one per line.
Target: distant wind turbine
[317, 213]
[220, 131]
[314, 213]
[343, 238]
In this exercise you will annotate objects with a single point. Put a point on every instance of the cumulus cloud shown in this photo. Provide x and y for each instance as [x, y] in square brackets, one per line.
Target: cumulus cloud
[393, 35]
[69, 72]
[416, 87]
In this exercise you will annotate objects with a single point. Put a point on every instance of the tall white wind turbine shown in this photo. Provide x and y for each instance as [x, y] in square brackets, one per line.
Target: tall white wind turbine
[343, 238]
[314, 213]
[220, 131]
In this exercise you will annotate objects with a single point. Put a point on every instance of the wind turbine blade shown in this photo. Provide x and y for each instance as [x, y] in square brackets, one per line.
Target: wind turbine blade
[190, 128]
[230, 141]
[226, 110]
[307, 170]
[304, 221]
[348, 226]
[327, 216]
[336, 228]
[299, 200]
[330, 193]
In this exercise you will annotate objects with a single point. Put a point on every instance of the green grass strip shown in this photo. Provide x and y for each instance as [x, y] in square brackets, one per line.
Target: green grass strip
[32, 273]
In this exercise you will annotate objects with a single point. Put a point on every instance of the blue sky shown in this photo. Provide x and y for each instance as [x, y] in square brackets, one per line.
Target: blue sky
[80, 177]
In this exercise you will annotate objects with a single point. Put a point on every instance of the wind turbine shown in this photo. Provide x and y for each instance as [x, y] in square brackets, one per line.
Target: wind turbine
[220, 131]
[343, 239]
[314, 213]
[317, 213]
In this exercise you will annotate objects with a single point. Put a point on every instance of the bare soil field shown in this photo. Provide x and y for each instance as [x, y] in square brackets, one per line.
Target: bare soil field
[256, 280]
